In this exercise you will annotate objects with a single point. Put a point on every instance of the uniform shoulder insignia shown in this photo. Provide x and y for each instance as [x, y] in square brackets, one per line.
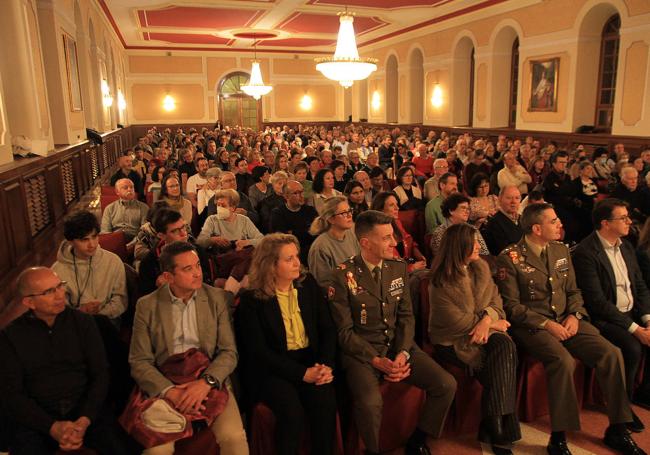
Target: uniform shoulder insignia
[507, 250]
[342, 266]
[395, 260]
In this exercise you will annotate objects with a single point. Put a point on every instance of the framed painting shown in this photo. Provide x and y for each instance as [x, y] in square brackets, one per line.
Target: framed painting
[543, 87]
[72, 67]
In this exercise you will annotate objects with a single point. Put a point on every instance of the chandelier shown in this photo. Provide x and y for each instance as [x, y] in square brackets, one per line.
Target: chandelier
[255, 86]
[346, 66]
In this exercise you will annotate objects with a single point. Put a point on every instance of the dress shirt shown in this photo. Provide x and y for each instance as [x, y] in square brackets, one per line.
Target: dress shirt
[292, 319]
[186, 331]
[624, 296]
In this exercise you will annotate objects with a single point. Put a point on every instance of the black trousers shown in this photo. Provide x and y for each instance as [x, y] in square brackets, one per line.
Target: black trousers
[103, 436]
[632, 351]
[498, 376]
[292, 403]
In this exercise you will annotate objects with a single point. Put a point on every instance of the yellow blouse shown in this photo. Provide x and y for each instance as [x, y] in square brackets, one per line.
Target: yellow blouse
[293, 325]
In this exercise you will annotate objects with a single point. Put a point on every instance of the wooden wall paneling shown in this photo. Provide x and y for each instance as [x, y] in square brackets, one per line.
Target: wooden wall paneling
[94, 163]
[7, 252]
[68, 181]
[55, 189]
[17, 221]
[37, 203]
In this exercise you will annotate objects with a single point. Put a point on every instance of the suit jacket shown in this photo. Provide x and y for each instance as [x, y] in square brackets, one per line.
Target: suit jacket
[499, 232]
[388, 326]
[153, 330]
[263, 339]
[597, 281]
[534, 292]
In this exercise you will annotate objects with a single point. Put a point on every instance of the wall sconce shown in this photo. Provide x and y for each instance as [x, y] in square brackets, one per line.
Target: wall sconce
[121, 102]
[107, 99]
[169, 103]
[375, 102]
[436, 96]
[306, 102]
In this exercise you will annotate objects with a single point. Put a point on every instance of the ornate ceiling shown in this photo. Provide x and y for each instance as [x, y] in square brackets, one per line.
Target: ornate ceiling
[296, 26]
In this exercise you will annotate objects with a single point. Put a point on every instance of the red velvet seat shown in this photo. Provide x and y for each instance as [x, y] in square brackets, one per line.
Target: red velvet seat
[107, 189]
[262, 433]
[465, 413]
[82, 451]
[402, 404]
[115, 242]
[532, 390]
[413, 222]
[105, 199]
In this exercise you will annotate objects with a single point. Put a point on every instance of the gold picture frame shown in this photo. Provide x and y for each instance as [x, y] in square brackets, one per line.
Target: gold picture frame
[72, 68]
[544, 85]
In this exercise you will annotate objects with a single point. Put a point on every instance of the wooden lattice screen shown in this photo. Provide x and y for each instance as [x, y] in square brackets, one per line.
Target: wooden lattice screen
[37, 206]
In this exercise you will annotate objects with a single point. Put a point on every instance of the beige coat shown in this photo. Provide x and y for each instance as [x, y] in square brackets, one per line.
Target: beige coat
[153, 330]
[455, 310]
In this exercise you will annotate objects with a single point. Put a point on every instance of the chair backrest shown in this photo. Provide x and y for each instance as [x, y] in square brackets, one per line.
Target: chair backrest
[115, 242]
[107, 189]
[105, 199]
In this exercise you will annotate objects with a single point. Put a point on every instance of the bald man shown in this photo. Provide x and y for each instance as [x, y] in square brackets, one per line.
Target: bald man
[54, 375]
[431, 189]
[126, 214]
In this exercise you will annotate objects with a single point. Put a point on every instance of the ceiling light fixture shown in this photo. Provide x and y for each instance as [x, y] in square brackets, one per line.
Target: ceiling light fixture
[346, 66]
[256, 87]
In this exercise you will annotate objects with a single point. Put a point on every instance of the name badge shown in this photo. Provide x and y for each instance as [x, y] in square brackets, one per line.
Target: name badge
[397, 283]
[562, 265]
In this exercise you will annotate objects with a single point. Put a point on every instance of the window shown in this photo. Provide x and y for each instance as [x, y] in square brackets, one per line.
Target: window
[235, 106]
[607, 74]
[514, 80]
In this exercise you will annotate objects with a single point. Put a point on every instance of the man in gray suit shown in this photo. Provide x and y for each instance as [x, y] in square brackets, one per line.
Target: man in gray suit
[183, 314]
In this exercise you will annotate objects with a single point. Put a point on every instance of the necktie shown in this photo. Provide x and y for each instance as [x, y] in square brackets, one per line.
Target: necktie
[544, 258]
[376, 274]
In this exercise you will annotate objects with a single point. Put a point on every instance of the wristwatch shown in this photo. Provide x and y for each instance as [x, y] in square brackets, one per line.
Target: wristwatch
[406, 354]
[211, 380]
[578, 315]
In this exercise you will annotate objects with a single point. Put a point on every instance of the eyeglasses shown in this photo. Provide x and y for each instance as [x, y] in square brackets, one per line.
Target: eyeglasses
[50, 291]
[345, 213]
[621, 218]
[464, 208]
[177, 231]
[297, 193]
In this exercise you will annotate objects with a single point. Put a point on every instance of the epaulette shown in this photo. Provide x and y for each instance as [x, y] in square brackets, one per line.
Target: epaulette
[344, 265]
[508, 249]
[396, 260]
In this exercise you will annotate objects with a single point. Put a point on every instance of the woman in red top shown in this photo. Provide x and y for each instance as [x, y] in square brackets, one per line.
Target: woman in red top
[406, 248]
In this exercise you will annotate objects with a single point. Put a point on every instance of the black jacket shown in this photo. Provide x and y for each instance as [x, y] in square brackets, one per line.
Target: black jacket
[262, 339]
[499, 232]
[595, 277]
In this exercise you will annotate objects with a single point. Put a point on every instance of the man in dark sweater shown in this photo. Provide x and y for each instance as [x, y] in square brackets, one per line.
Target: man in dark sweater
[54, 377]
[126, 172]
[295, 217]
[503, 228]
[170, 227]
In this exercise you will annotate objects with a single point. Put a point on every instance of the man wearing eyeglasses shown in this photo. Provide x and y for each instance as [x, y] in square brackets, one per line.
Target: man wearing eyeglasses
[615, 292]
[54, 376]
[295, 217]
[536, 279]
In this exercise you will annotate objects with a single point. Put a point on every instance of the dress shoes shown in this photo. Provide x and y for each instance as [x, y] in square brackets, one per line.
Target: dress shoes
[417, 449]
[558, 448]
[622, 442]
[498, 450]
[636, 426]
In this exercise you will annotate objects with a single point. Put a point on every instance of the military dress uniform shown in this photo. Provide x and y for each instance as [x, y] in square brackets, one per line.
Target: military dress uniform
[540, 286]
[374, 318]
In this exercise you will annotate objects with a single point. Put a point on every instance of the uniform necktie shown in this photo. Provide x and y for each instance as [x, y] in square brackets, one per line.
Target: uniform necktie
[376, 274]
[543, 257]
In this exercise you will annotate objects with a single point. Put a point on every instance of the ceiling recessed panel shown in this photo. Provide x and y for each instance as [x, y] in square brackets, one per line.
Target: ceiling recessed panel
[198, 17]
[326, 23]
[297, 42]
[186, 38]
[381, 4]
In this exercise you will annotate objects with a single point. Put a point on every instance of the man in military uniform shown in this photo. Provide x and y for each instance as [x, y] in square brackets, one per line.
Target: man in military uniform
[545, 307]
[372, 310]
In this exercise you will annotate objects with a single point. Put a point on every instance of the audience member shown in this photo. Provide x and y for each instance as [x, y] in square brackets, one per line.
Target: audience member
[126, 214]
[549, 322]
[629, 191]
[448, 184]
[187, 166]
[323, 188]
[288, 345]
[363, 178]
[195, 319]
[468, 329]
[503, 228]
[615, 292]
[259, 189]
[271, 201]
[95, 280]
[207, 191]
[482, 204]
[125, 171]
[170, 193]
[375, 331]
[335, 242]
[513, 174]
[378, 181]
[455, 210]
[356, 198]
[54, 376]
[431, 189]
[586, 192]
[228, 181]
[407, 190]
[478, 165]
[295, 217]
[157, 176]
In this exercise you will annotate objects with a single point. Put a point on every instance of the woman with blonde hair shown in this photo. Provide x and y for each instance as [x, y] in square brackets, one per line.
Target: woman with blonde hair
[467, 325]
[287, 343]
[336, 241]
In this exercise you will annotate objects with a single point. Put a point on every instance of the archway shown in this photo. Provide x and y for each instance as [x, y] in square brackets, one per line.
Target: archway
[392, 90]
[416, 86]
[505, 70]
[462, 92]
[590, 37]
[236, 107]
